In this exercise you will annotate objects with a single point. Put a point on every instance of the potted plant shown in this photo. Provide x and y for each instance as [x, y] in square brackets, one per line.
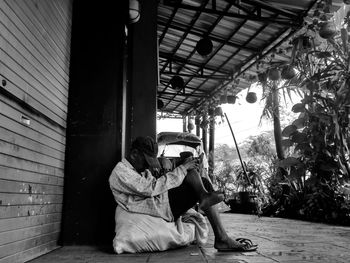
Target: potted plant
[249, 187]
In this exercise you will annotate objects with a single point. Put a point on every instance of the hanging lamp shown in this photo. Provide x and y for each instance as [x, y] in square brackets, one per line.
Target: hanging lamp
[177, 83]
[204, 46]
[134, 11]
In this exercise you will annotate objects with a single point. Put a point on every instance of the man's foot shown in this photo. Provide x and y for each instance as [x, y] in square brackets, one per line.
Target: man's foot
[211, 199]
[230, 245]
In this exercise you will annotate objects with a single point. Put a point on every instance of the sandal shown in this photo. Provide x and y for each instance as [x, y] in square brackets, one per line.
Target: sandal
[246, 241]
[248, 246]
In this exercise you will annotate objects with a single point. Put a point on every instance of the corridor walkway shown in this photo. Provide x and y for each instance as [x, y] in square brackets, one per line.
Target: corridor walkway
[280, 240]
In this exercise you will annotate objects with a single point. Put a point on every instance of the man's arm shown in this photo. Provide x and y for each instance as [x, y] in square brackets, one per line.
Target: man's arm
[128, 181]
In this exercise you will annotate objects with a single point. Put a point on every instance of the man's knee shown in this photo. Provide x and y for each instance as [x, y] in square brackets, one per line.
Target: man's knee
[207, 184]
[192, 176]
[192, 172]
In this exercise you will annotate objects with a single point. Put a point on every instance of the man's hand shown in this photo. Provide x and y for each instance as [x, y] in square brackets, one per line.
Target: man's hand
[191, 163]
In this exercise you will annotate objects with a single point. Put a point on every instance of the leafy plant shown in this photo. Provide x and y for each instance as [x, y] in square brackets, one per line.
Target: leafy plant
[320, 136]
[224, 178]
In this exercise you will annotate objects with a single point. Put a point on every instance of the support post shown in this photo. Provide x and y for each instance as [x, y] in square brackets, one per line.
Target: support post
[205, 135]
[143, 73]
[198, 128]
[211, 147]
[93, 138]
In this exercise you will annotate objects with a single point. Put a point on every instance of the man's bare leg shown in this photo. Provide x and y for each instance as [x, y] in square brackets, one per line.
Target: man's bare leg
[206, 199]
[222, 240]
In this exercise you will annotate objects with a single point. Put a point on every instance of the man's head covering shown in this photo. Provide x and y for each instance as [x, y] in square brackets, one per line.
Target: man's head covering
[186, 154]
[149, 148]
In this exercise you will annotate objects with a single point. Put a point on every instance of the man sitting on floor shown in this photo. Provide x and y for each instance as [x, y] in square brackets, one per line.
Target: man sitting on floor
[171, 195]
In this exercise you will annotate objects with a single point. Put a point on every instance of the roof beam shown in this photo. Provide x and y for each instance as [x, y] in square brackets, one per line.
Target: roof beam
[201, 76]
[168, 115]
[271, 8]
[188, 62]
[281, 38]
[235, 53]
[187, 31]
[265, 53]
[165, 83]
[213, 92]
[214, 38]
[167, 25]
[288, 22]
[204, 95]
[210, 29]
[176, 100]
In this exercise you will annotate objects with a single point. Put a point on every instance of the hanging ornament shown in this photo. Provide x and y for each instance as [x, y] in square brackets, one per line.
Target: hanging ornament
[327, 30]
[223, 98]
[288, 72]
[274, 74]
[251, 97]
[134, 11]
[262, 77]
[218, 111]
[204, 46]
[231, 99]
[177, 83]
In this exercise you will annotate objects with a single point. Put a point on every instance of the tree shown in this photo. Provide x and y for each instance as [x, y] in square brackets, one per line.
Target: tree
[224, 152]
[275, 86]
[261, 146]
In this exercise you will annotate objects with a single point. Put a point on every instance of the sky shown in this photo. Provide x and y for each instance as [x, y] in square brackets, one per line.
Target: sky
[244, 118]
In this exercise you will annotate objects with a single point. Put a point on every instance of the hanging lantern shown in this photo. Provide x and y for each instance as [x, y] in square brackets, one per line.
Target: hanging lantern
[218, 111]
[134, 11]
[177, 83]
[204, 46]
[223, 99]
[251, 97]
[262, 77]
[288, 72]
[327, 30]
[274, 74]
[231, 99]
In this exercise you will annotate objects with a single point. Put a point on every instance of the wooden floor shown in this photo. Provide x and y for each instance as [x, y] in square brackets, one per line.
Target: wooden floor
[280, 240]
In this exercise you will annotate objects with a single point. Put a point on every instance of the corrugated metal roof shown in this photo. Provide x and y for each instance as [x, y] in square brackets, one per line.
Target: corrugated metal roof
[241, 31]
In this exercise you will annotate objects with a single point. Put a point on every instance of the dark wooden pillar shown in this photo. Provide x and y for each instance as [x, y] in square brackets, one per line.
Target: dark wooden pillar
[198, 128]
[93, 139]
[211, 147]
[184, 124]
[190, 124]
[205, 135]
[143, 72]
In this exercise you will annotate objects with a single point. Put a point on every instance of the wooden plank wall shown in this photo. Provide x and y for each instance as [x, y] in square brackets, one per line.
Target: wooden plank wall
[34, 70]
